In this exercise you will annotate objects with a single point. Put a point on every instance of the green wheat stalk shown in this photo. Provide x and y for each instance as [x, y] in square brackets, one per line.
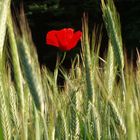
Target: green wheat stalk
[73, 114]
[30, 74]
[113, 27]
[14, 109]
[37, 125]
[130, 105]
[110, 70]
[112, 22]
[4, 111]
[4, 114]
[119, 116]
[16, 64]
[65, 125]
[4, 9]
[90, 69]
[79, 100]
[88, 65]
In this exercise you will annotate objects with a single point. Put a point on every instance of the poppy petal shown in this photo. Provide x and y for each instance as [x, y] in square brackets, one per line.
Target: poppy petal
[69, 34]
[51, 38]
[65, 39]
[76, 37]
[64, 36]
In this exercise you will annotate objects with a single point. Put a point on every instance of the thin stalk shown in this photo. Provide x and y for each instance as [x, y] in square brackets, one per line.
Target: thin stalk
[124, 85]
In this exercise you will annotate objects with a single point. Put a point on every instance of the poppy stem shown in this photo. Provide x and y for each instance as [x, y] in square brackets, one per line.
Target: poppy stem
[59, 61]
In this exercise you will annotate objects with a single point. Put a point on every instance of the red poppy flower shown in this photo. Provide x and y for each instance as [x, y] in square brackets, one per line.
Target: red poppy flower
[65, 39]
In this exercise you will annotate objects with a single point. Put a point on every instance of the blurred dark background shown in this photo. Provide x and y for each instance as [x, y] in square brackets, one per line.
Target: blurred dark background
[45, 15]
